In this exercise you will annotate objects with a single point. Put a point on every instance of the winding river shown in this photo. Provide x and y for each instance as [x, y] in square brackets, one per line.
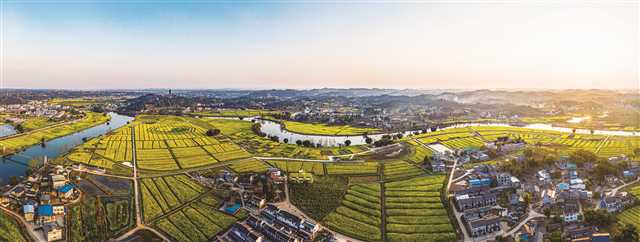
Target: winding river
[272, 128]
[16, 164]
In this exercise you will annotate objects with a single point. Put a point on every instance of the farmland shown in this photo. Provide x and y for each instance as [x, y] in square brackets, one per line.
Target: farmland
[18, 142]
[316, 168]
[359, 214]
[415, 212]
[630, 216]
[236, 113]
[9, 229]
[163, 194]
[400, 169]
[162, 144]
[328, 189]
[460, 138]
[323, 129]
[240, 132]
[197, 221]
[356, 168]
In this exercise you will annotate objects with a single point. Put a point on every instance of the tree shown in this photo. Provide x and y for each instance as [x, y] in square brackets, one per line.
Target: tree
[500, 238]
[347, 142]
[299, 142]
[306, 143]
[368, 140]
[19, 128]
[213, 132]
[628, 234]
[427, 159]
[274, 138]
[556, 236]
[636, 151]
[547, 212]
[600, 218]
[583, 156]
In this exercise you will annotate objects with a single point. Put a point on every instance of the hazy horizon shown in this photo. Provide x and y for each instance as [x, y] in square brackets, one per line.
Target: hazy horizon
[306, 45]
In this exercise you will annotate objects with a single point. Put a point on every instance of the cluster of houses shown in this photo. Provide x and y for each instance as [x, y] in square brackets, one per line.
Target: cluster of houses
[269, 223]
[566, 194]
[41, 198]
[36, 109]
[476, 197]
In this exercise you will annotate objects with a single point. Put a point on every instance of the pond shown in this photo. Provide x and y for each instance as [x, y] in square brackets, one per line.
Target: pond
[6, 130]
[16, 164]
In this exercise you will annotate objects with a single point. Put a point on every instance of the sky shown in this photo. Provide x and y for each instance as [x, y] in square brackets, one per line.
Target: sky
[469, 44]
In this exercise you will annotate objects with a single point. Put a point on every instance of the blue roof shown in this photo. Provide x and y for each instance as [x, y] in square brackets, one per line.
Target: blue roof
[480, 182]
[28, 209]
[45, 210]
[563, 186]
[67, 187]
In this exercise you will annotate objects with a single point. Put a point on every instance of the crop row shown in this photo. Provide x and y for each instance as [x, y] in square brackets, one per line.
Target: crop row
[415, 212]
[359, 215]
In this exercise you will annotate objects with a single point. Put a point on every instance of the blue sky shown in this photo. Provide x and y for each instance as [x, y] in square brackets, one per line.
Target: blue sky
[305, 44]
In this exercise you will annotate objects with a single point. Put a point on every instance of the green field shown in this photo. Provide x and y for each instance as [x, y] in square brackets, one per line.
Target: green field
[9, 229]
[163, 194]
[414, 211]
[359, 214]
[324, 129]
[328, 189]
[400, 169]
[316, 168]
[16, 143]
[197, 221]
[163, 143]
[236, 113]
[474, 137]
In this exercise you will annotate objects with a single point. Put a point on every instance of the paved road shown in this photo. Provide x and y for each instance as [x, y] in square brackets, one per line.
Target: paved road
[135, 178]
[615, 190]
[532, 215]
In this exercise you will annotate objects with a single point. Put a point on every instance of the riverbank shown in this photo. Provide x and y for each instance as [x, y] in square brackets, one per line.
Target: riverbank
[14, 143]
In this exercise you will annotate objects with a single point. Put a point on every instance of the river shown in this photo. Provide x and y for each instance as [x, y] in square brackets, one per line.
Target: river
[272, 128]
[6, 130]
[16, 164]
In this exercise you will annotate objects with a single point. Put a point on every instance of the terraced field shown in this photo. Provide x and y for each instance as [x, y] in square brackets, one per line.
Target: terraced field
[357, 168]
[414, 211]
[630, 216]
[359, 214]
[400, 169]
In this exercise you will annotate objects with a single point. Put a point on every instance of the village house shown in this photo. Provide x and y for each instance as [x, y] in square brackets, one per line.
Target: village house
[571, 212]
[52, 232]
[468, 201]
[616, 203]
[45, 213]
[242, 233]
[58, 181]
[483, 226]
[66, 191]
[28, 211]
